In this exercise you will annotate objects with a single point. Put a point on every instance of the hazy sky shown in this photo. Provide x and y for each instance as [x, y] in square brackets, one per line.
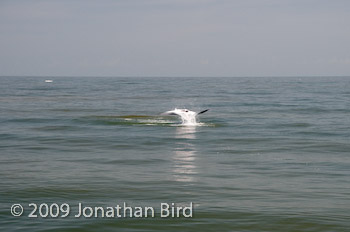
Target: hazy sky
[175, 37]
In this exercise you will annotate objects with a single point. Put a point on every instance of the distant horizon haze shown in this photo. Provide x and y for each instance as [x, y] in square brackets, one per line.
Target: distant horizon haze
[175, 38]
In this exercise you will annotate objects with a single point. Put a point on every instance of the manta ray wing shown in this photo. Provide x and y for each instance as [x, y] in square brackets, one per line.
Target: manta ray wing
[171, 113]
[203, 111]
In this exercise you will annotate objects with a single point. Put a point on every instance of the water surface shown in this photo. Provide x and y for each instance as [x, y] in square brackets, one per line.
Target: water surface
[272, 154]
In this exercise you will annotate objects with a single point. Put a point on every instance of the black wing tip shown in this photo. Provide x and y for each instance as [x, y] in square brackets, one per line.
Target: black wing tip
[203, 111]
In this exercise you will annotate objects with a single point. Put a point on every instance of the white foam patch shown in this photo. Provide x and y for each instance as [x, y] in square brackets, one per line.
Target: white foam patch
[192, 125]
[188, 117]
[154, 121]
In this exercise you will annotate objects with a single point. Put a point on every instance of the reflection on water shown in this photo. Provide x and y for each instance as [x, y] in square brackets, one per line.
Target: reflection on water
[186, 132]
[185, 155]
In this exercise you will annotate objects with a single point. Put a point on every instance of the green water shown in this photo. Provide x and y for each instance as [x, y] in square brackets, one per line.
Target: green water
[271, 154]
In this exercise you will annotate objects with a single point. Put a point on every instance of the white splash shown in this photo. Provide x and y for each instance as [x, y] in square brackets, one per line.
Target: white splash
[188, 117]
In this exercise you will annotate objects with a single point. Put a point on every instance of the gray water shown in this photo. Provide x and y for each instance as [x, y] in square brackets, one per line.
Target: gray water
[271, 154]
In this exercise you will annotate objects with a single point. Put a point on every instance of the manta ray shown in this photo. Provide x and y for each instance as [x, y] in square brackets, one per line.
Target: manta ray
[188, 117]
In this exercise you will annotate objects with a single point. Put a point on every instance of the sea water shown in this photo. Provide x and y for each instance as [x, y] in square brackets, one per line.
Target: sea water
[272, 154]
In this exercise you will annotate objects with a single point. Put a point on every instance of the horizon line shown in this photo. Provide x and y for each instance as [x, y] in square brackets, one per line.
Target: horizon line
[158, 76]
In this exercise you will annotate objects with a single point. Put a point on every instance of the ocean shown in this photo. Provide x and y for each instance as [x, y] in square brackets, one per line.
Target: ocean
[271, 154]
